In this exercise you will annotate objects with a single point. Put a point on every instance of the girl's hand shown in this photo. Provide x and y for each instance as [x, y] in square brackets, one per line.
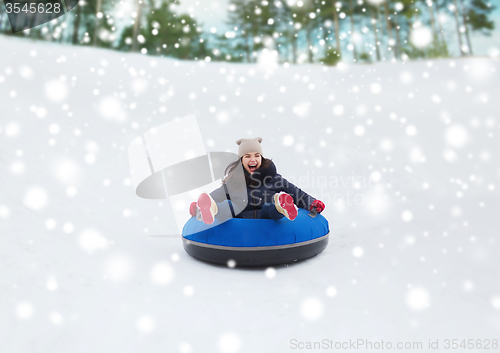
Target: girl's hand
[318, 205]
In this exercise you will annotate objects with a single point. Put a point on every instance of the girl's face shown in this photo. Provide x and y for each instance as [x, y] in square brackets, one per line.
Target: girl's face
[251, 161]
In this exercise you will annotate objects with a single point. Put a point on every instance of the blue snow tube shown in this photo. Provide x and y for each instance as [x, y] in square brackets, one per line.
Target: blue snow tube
[257, 242]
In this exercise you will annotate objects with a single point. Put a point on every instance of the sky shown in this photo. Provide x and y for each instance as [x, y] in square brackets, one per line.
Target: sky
[214, 14]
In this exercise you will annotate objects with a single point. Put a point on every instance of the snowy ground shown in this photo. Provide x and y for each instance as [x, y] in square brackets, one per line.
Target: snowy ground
[87, 266]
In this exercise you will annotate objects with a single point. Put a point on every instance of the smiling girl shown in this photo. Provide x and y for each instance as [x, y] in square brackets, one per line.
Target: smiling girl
[267, 195]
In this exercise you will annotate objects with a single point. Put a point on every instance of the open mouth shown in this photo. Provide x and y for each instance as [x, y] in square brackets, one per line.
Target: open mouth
[252, 167]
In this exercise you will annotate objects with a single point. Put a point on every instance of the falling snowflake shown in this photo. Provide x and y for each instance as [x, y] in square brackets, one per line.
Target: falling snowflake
[229, 342]
[35, 198]
[311, 309]
[24, 310]
[421, 37]
[145, 324]
[91, 240]
[331, 291]
[357, 251]
[119, 268]
[407, 216]
[270, 272]
[418, 299]
[162, 273]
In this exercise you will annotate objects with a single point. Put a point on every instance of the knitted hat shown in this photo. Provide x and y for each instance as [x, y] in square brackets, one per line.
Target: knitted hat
[249, 145]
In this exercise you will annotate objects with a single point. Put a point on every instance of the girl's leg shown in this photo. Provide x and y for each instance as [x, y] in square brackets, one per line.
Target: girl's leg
[208, 209]
[283, 206]
[269, 211]
[224, 213]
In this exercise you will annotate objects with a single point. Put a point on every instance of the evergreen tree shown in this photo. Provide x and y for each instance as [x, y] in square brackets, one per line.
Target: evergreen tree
[476, 14]
[454, 8]
[330, 15]
[241, 14]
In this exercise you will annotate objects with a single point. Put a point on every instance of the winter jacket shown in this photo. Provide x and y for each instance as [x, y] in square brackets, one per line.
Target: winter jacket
[266, 183]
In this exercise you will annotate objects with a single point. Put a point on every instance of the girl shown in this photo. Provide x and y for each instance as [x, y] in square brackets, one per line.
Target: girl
[254, 191]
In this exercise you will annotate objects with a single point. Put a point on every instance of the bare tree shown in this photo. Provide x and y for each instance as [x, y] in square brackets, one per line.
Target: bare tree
[353, 41]
[457, 22]
[336, 9]
[137, 25]
[464, 17]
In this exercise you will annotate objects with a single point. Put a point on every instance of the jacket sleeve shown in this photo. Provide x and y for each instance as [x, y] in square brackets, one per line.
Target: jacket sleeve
[301, 198]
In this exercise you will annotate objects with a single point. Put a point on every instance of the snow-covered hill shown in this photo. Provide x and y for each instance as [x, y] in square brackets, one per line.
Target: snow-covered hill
[405, 157]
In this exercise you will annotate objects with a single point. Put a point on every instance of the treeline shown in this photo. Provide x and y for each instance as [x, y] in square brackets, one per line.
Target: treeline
[150, 27]
[297, 30]
[312, 30]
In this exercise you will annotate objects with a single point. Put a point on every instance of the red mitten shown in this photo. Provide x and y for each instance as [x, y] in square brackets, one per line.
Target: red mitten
[192, 209]
[318, 205]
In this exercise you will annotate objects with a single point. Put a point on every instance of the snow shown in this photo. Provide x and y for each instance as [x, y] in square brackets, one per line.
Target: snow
[270, 272]
[312, 309]
[56, 90]
[288, 140]
[456, 135]
[357, 251]
[24, 310]
[229, 342]
[119, 268]
[188, 291]
[162, 273]
[418, 298]
[51, 284]
[35, 198]
[410, 184]
[145, 323]
[495, 302]
[421, 37]
[331, 291]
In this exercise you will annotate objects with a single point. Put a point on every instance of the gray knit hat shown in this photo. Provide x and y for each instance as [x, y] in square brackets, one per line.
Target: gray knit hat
[249, 145]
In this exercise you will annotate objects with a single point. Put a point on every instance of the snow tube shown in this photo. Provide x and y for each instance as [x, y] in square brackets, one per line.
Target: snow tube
[256, 242]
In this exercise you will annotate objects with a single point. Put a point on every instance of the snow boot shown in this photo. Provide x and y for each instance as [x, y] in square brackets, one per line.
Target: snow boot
[284, 205]
[208, 208]
[193, 209]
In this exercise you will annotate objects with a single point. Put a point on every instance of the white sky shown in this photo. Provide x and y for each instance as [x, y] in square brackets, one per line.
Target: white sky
[210, 13]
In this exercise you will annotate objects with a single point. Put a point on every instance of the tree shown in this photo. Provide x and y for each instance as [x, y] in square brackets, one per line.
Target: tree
[224, 48]
[307, 18]
[352, 8]
[254, 20]
[137, 26]
[76, 21]
[166, 33]
[443, 44]
[477, 16]
[437, 48]
[457, 22]
[374, 14]
[336, 9]
[291, 29]
[387, 16]
[330, 11]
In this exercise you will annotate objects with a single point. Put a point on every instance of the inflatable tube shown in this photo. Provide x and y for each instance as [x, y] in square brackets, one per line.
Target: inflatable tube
[256, 242]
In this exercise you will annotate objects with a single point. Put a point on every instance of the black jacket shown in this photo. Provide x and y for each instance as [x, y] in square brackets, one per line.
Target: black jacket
[265, 183]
